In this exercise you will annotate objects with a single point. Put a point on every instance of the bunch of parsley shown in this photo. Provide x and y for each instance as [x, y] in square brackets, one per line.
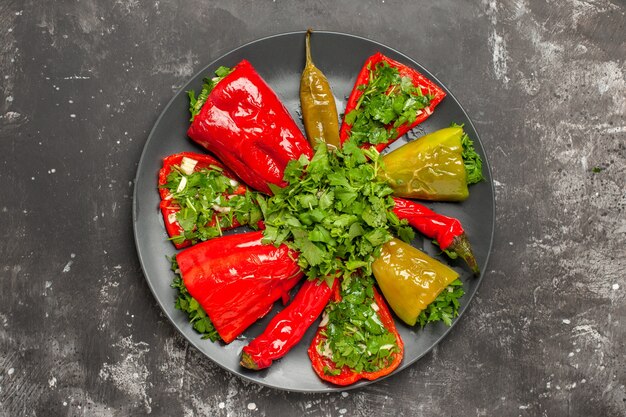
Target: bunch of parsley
[388, 101]
[335, 212]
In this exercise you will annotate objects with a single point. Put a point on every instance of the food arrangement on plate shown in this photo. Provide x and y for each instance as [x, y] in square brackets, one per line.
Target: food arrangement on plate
[327, 211]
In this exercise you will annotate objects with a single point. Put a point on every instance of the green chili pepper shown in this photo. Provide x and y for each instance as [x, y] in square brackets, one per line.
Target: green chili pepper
[319, 112]
[429, 168]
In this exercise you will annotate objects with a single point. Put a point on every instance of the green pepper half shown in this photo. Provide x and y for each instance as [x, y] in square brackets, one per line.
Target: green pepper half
[409, 279]
[429, 168]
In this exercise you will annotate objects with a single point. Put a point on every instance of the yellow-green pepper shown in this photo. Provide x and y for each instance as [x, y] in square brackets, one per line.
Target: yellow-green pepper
[319, 111]
[409, 279]
[429, 168]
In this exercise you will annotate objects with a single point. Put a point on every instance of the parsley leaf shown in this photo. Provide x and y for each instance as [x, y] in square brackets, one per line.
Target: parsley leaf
[473, 162]
[445, 307]
[196, 103]
[196, 314]
[451, 253]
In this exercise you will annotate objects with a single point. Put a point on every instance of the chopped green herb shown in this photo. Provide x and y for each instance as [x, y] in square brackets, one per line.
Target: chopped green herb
[329, 371]
[451, 254]
[335, 211]
[208, 204]
[196, 103]
[185, 302]
[388, 102]
[445, 307]
[471, 159]
[596, 170]
[354, 334]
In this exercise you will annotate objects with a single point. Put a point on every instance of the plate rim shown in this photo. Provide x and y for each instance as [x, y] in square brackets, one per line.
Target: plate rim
[150, 139]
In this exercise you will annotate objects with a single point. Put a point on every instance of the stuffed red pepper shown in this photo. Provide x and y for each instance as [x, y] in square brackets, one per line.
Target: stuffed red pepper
[236, 279]
[388, 99]
[200, 198]
[357, 338]
[243, 122]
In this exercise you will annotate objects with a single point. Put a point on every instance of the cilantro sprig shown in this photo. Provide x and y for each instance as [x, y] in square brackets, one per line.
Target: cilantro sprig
[388, 101]
[196, 314]
[207, 204]
[354, 334]
[196, 103]
[335, 212]
[445, 307]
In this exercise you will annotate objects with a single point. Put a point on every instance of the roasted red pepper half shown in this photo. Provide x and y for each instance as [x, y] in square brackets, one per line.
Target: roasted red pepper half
[236, 279]
[169, 207]
[447, 231]
[287, 327]
[321, 364]
[245, 124]
[426, 86]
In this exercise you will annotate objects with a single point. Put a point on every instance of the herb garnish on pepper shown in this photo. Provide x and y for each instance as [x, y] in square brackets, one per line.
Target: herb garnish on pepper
[196, 314]
[196, 103]
[445, 307]
[473, 162]
[200, 198]
[357, 338]
[388, 99]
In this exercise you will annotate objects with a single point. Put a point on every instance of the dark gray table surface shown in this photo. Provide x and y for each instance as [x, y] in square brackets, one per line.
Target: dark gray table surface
[81, 84]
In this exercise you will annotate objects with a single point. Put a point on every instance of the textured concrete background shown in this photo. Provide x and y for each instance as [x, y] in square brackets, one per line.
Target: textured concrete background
[83, 81]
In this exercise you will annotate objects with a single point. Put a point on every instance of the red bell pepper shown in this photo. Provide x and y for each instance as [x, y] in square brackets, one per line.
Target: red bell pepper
[363, 79]
[347, 376]
[169, 207]
[245, 124]
[447, 231]
[236, 279]
[287, 327]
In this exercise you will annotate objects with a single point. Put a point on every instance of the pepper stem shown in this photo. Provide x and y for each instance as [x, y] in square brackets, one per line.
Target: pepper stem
[461, 246]
[248, 362]
[309, 60]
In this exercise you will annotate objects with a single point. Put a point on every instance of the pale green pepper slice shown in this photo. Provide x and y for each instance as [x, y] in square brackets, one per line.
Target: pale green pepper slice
[429, 168]
[409, 279]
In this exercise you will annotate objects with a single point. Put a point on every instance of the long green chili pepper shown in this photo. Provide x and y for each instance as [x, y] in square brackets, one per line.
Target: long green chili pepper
[319, 112]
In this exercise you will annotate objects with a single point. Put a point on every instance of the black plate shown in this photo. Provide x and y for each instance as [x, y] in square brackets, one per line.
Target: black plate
[279, 60]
